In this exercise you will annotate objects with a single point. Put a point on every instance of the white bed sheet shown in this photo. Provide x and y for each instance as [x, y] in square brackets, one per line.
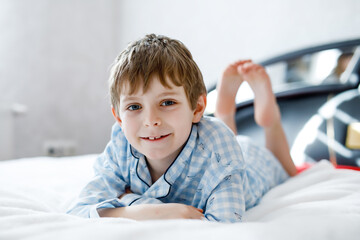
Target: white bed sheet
[320, 203]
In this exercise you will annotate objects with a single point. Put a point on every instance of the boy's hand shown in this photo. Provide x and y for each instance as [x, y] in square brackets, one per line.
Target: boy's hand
[154, 212]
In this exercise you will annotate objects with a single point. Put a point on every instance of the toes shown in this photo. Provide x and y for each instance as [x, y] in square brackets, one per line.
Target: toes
[245, 68]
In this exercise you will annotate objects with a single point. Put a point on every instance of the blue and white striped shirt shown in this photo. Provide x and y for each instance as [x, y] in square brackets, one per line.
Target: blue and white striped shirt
[210, 173]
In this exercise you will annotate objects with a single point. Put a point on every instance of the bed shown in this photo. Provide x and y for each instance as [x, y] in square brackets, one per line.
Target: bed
[320, 203]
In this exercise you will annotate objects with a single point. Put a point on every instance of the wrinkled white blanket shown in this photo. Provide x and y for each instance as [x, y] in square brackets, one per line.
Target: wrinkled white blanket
[320, 203]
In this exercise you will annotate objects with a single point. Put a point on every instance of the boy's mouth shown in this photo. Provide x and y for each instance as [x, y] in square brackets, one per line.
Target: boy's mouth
[155, 138]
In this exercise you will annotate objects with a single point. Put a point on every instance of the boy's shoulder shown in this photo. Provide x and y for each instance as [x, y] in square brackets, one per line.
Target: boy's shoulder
[212, 127]
[217, 137]
[118, 140]
[117, 133]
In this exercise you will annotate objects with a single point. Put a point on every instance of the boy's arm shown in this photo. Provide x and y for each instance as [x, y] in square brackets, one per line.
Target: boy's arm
[227, 202]
[130, 205]
[225, 175]
[103, 193]
[154, 211]
[107, 195]
[104, 189]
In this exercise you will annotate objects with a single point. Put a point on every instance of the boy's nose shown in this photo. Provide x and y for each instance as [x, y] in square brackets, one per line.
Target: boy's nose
[152, 119]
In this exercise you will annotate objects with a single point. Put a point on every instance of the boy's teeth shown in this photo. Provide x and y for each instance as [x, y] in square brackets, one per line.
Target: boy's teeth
[153, 138]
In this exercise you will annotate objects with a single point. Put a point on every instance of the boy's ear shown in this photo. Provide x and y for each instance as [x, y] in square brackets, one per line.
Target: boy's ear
[200, 108]
[116, 116]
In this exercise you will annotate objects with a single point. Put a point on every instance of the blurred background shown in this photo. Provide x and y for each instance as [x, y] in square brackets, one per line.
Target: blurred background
[55, 56]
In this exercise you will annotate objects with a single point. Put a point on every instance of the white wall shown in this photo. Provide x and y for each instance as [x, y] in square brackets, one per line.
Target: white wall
[55, 54]
[54, 58]
[218, 32]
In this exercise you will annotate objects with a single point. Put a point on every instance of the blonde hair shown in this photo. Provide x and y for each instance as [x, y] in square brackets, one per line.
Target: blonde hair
[155, 55]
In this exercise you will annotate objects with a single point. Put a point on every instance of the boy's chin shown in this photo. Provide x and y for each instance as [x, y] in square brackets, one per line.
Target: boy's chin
[161, 156]
[156, 157]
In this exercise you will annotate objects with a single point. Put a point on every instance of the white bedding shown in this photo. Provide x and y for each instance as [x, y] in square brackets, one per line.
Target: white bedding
[320, 203]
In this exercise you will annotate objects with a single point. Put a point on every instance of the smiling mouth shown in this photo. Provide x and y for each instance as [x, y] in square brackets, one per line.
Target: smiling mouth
[156, 138]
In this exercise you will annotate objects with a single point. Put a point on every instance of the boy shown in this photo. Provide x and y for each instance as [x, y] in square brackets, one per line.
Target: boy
[165, 160]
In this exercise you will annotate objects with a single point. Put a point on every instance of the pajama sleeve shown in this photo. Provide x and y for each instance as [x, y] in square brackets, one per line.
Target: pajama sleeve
[225, 175]
[227, 203]
[108, 184]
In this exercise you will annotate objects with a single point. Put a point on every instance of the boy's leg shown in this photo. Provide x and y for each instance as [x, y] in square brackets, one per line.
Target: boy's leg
[266, 109]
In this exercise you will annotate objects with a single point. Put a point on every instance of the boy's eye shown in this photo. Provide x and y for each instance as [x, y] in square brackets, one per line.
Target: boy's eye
[134, 107]
[167, 103]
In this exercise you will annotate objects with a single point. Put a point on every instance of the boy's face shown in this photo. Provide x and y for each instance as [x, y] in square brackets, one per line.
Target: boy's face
[158, 123]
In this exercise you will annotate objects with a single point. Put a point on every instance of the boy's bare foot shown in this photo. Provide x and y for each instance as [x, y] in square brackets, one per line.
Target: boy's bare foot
[266, 110]
[227, 89]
